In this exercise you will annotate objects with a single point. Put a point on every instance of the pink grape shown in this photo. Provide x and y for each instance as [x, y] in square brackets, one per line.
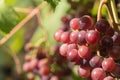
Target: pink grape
[84, 52]
[108, 64]
[73, 37]
[92, 36]
[85, 22]
[57, 35]
[74, 23]
[63, 49]
[98, 74]
[65, 37]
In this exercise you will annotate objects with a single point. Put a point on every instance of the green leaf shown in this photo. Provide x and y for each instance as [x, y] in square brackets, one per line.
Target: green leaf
[53, 3]
[8, 19]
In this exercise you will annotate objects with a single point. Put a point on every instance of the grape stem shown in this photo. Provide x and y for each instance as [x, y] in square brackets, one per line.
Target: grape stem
[20, 25]
[115, 15]
[112, 12]
[100, 9]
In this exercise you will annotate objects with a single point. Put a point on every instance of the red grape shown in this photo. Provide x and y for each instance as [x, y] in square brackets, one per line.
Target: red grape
[92, 36]
[27, 67]
[108, 64]
[73, 37]
[81, 37]
[57, 35]
[34, 64]
[95, 61]
[65, 37]
[44, 70]
[63, 49]
[102, 25]
[74, 23]
[84, 52]
[73, 55]
[98, 74]
[85, 22]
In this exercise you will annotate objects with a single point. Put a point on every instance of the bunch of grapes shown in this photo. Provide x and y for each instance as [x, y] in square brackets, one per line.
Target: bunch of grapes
[95, 48]
[43, 64]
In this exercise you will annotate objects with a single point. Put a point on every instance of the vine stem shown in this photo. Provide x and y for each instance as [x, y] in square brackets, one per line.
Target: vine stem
[102, 2]
[16, 59]
[115, 15]
[25, 20]
[114, 11]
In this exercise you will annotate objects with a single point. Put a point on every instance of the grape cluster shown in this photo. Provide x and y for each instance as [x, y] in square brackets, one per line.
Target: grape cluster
[95, 48]
[43, 64]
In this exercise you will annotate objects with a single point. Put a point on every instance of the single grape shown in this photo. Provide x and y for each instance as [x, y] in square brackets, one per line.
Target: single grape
[63, 49]
[92, 36]
[85, 22]
[102, 25]
[96, 61]
[73, 37]
[74, 23]
[114, 52]
[107, 41]
[108, 64]
[84, 52]
[44, 70]
[57, 35]
[65, 37]
[108, 78]
[84, 71]
[27, 67]
[98, 74]
[81, 37]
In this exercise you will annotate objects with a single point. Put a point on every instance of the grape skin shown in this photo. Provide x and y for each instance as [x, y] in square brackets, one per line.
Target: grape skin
[85, 22]
[84, 52]
[92, 36]
[84, 71]
[98, 74]
[108, 64]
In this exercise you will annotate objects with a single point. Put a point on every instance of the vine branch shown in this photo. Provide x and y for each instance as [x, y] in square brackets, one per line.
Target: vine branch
[25, 20]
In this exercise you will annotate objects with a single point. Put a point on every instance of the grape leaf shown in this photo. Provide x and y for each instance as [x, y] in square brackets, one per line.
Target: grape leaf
[8, 19]
[53, 3]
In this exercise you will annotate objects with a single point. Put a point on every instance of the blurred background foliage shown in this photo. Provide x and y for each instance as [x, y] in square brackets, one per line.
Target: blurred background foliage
[12, 12]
